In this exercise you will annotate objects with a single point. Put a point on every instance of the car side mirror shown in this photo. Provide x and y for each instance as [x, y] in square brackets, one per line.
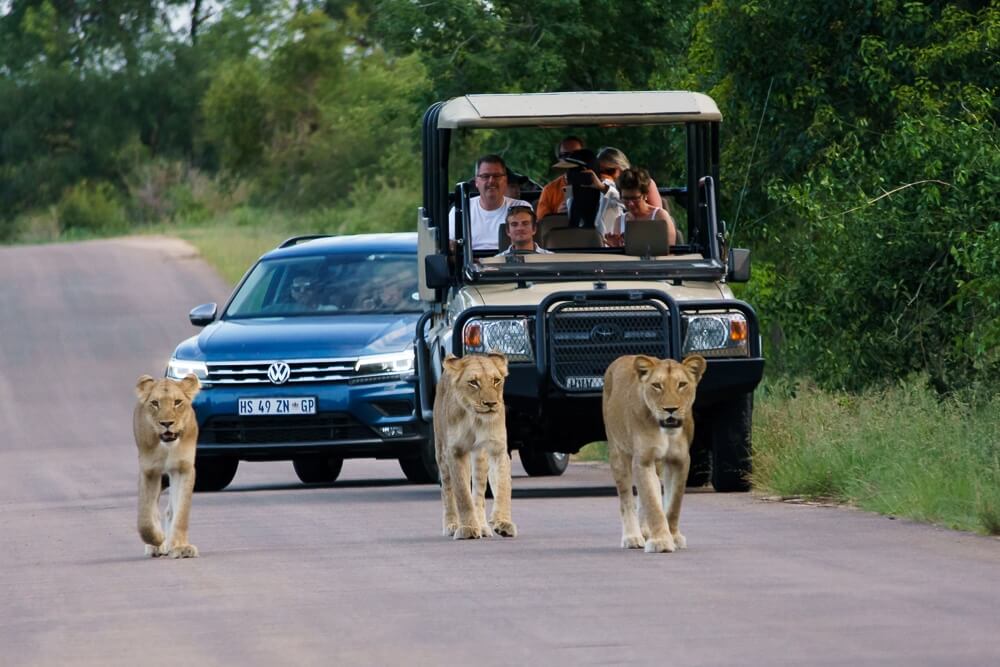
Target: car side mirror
[203, 314]
[436, 271]
[739, 265]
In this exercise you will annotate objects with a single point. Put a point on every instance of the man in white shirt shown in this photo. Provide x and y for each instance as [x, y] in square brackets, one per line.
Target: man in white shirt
[521, 227]
[489, 210]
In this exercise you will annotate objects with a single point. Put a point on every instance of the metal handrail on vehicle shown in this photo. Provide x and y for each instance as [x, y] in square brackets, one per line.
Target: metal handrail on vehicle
[295, 240]
[422, 360]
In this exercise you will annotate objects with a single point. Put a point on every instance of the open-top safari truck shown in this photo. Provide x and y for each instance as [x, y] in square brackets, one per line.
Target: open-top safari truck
[562, 318]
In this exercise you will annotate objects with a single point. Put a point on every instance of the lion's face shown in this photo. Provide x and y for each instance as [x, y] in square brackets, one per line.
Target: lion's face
[478, 381]
[668, 387]
[166, 405]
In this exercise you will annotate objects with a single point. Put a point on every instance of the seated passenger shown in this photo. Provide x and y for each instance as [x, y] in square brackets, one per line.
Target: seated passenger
[489, 210]
[521, 228]
[611, 162]
[303, 294]
[635, 187]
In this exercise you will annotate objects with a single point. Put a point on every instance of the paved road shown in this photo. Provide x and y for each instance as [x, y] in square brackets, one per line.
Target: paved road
[355, 573]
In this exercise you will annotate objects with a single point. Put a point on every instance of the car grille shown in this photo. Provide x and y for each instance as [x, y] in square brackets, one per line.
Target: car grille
[585, 338]
[300, 370]
[302, 428]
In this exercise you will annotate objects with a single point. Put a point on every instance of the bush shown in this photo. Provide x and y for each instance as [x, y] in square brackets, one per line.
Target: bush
[91, 208]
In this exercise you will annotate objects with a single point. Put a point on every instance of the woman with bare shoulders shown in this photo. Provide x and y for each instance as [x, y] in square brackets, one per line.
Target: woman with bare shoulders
[633, 186]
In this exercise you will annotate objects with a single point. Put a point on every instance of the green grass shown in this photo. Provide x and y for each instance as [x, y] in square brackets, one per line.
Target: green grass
[903, 451]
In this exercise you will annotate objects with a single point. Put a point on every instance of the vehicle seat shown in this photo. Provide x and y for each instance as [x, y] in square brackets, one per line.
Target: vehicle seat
[548, 223]
[572, 237]
[646, 238]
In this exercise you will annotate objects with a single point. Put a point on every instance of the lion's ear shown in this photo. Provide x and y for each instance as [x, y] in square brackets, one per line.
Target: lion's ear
[696, 364]
[500, 361]
[644, 365]
[143, 386]
[190, 386]
[452, 363]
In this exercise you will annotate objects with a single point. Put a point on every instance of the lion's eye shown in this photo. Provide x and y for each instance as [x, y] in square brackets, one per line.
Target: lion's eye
[155, 404]
[657, 386]
[681, 385]
[474, 384]
[496, 382]
[178, 402]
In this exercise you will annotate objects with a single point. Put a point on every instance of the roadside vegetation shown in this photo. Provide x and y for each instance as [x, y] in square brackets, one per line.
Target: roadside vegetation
[864, 173]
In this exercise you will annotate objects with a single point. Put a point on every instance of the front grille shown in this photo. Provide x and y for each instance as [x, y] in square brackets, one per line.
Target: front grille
[331, 426]
[584, 338]
[300, 370]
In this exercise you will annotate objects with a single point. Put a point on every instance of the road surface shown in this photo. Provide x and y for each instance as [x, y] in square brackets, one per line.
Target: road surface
[356, 573]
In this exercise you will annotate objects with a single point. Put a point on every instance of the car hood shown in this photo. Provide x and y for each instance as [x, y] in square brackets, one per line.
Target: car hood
[301, 337]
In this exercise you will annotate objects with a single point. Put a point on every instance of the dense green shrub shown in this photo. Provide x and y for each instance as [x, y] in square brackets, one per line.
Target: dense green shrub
[91, 208]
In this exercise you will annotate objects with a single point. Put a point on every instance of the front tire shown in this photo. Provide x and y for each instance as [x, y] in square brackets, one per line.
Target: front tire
[422, 469]
[543, 464]
[317, 469]
[731, 424]
[214, 473]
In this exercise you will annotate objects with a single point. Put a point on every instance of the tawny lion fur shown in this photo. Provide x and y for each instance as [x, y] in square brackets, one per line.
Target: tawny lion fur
[470, 427]
[166, 434]
[648, 418]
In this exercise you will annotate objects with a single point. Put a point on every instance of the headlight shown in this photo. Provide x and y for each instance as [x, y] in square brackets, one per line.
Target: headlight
[722, 335]
[179, 368]
[509, 336]
[380, 364]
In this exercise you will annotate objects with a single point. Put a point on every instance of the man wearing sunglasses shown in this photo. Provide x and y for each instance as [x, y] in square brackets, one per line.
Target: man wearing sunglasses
[489, 210]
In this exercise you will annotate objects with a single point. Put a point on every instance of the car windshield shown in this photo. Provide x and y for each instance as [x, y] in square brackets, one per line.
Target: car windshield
[328, 285]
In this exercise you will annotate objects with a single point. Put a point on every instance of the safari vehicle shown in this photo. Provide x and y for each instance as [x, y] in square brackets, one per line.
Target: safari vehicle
[562, 318]
[311, 360]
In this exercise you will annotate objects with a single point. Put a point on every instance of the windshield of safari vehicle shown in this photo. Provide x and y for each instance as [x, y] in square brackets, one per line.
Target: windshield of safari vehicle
[328, 285]
[610, 202]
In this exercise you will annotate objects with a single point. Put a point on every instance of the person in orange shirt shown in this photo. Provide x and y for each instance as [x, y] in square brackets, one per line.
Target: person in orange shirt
[553, 198]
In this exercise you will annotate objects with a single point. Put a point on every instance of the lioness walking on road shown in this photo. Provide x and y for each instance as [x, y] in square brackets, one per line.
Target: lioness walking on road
[166, 433]
[649, 422]
[470, 440]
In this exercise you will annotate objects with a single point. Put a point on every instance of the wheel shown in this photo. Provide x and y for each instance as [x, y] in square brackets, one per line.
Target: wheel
[543, 464]
[701, 464]
[422, 469]
[214, 473]
[317, 469]
[730, 423]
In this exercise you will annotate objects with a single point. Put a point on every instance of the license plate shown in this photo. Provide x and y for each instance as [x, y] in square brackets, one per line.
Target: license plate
[277, 406]
[585, 382]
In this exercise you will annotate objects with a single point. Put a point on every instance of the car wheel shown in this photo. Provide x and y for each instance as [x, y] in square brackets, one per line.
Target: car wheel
[215, 473]
[422, 469]
[731, 427]
[317, 469]
[700, 472]
[543, 464]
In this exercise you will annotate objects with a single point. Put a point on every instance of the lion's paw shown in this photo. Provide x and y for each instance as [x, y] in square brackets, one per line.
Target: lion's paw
[632, 541]
[184, 551]
[467, 533]
[449, 529]
[680, 541]
[660, 545]
[152, 551]
[485, 530]
[504, 528]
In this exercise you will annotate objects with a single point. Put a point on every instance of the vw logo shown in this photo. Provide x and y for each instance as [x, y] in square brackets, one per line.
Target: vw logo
[605, 333]
[278, 372]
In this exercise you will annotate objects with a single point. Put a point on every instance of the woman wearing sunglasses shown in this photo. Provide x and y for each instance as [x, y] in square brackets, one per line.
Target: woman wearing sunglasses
[635, 187]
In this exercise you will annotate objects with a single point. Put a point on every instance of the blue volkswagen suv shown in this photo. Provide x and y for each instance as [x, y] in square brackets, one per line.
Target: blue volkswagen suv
[311, 360]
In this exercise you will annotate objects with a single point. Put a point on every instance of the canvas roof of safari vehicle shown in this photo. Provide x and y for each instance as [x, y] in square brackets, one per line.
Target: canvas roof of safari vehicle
[577, 109]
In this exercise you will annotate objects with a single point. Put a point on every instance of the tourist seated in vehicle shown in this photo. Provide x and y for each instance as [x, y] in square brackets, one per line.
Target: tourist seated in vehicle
[635, 186]
[611, 162]
[489, 210]
[521, 228]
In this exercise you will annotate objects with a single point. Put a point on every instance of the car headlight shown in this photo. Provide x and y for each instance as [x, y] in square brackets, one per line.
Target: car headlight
[381, 364]
[722, 335]
[180, 368]
[509, 336]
